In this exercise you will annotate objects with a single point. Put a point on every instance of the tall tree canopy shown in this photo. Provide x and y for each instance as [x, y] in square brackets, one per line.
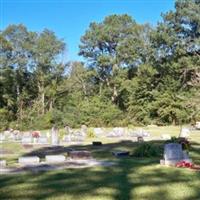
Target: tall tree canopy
[133, 73]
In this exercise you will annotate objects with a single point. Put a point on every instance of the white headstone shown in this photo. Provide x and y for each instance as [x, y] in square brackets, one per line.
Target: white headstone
[2, 163]
[43, 140]
[84, 129]
[98, 131]
[29, 160]
[166, 136]
[26, 140]
[67, 138]
[197, 125]
[54, 136]
[2, 137]
[55, 158]
[185, 133]
[142, 133]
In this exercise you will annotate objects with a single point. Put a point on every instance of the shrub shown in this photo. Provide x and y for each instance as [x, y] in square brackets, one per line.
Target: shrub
[61, 133]
[130, 126]
[183, 141]
[90, 133]
[5, 117]
[147, 150]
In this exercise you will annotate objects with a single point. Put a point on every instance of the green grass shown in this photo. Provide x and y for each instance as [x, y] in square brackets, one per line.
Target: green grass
[131, 178]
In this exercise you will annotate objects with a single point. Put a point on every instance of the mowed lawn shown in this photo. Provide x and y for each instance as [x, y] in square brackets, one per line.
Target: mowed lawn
[130, 178]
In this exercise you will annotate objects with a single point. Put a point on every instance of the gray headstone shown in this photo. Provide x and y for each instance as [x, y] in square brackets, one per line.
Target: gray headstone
[173, 151]
[29, 160]
[173, 154]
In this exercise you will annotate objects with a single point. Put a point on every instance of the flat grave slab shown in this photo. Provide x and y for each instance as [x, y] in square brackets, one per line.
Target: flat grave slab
[42, 140]
[29, 160]
[55, 158]
[96, 143]
[121, 153]
[166, 137]
[26, 140]
[80, 154]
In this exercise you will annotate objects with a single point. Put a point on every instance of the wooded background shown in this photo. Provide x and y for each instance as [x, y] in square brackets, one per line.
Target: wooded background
[133, 73]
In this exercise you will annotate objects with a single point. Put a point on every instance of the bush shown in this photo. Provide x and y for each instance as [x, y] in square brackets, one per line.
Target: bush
[147, 150]
[61, 133]
[90, 133]
[183, 141]
[5, 117]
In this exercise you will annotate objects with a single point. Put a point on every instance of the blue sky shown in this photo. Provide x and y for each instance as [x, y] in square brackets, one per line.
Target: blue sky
[70, 18]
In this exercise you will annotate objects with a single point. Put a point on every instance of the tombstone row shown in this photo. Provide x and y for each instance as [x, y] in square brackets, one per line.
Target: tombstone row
[32, 160]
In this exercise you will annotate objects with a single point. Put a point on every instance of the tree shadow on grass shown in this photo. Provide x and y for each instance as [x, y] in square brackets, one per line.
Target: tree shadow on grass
[131, 178]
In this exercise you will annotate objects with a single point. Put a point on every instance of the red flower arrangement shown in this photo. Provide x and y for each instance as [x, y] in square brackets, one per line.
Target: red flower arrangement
[36, 134]
[184, 164]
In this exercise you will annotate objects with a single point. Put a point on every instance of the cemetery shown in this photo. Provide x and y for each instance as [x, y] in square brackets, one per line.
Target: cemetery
[100, 100]
[100, 159]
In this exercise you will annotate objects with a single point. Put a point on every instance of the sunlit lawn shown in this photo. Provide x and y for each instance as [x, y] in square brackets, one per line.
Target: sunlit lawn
[130, 178]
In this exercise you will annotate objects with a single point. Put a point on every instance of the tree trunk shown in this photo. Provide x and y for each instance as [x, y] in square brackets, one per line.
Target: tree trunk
[42, 97]
[51, 105]
[115, 94]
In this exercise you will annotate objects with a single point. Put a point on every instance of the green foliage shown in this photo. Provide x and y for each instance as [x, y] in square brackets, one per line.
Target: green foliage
[5, 118]
[133, 74]
[90, 133]
[130, 126]
[61, 133]
[183, 141]
[147, 150]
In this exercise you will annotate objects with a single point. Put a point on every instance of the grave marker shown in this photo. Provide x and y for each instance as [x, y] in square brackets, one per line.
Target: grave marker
[55, 158]
[173, 154]
[26, 140]
[54, 136]
[29, 160]
[2, 163]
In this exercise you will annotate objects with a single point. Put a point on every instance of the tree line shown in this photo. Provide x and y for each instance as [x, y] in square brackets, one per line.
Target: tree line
[132, 73]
